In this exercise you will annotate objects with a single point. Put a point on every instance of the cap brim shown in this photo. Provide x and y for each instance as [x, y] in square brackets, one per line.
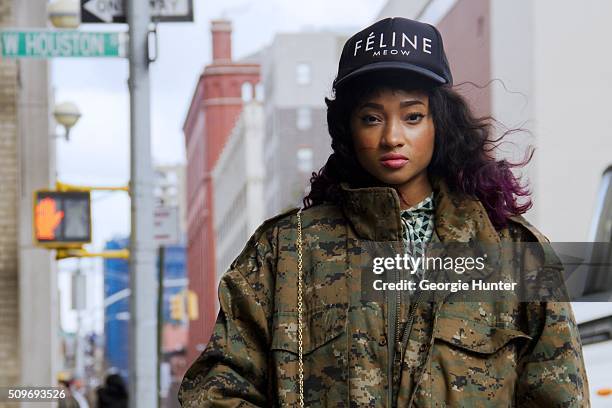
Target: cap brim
[390, 65]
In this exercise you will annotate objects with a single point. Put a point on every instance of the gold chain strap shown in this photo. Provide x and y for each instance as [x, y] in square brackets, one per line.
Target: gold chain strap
[300, 310]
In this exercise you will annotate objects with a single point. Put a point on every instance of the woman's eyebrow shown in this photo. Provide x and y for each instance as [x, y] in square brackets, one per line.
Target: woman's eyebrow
[403, 104]
[371, 105]
[411, 102]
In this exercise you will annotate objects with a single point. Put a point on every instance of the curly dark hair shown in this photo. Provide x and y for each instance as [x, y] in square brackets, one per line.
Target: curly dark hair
[463, 149]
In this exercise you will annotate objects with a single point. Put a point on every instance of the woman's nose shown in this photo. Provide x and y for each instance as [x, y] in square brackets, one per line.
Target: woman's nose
[393, 134]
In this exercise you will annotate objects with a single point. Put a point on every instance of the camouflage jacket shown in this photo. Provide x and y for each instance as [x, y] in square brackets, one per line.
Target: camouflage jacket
[458, 354]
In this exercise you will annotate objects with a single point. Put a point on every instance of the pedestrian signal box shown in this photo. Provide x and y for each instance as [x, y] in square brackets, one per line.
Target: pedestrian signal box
[177, 307]
[184, 305]
[62, 219]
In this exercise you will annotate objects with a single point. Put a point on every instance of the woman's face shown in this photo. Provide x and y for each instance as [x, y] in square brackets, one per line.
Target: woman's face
[393, 135]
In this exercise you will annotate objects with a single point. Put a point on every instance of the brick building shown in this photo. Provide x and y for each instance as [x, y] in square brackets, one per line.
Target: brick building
[215, 107]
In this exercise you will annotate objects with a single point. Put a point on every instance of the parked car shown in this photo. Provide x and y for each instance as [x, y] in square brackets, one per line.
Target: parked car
[593, 309]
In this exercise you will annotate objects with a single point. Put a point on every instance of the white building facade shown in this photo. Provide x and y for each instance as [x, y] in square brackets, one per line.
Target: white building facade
[238, 182]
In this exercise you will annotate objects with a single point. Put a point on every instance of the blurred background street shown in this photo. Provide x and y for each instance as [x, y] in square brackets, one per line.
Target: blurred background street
[237, 125]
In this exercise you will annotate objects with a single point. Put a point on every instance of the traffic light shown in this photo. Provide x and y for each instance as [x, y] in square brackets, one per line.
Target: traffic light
[62, 219]
[177, 306]
[604, 392]
[192, 305]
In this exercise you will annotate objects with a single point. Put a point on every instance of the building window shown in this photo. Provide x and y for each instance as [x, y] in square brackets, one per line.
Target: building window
[304, 159]
[259, 92]
[247, 92]
[303, 119]
[302, 74]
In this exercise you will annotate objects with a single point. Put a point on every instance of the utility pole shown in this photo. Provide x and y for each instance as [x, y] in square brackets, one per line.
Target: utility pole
[143, 276]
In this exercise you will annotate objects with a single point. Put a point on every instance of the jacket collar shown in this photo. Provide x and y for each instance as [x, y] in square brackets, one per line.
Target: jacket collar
[374, 213]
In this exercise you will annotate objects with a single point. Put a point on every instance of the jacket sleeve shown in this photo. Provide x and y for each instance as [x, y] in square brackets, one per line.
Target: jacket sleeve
[233, 369]
[553, 373]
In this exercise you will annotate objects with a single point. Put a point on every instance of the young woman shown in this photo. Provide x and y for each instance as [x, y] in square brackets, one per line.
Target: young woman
[410, 165]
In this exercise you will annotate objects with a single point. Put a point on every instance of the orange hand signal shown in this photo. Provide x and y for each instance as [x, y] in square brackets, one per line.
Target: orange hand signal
[47, 218]
[604, 392]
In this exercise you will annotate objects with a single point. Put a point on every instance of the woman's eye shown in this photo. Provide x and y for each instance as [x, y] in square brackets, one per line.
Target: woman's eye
[369, 119]
[414, 117]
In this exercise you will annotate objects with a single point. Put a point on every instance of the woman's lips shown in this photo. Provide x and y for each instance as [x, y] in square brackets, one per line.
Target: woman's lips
[393, 160]
[394, 163]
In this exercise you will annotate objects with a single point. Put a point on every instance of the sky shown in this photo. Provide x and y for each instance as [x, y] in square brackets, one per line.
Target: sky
[98, 150]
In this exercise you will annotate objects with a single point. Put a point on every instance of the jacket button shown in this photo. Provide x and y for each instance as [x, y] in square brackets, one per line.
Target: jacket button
[382, 341]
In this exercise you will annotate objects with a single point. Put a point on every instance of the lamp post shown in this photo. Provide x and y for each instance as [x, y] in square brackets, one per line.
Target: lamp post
[66, 114]
[64, 13]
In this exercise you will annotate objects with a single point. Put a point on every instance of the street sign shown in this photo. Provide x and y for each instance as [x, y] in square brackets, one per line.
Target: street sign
[113, 11]
[62, 219]
[61, 43]
[166, 226]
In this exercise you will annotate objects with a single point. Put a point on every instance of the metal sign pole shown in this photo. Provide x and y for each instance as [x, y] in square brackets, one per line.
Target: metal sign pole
[143, 319]
[78, 298]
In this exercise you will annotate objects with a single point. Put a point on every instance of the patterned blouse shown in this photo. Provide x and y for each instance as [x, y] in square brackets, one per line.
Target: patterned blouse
[418, 222]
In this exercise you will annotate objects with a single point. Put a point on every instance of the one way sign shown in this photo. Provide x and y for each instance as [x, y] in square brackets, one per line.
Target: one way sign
[113, 11]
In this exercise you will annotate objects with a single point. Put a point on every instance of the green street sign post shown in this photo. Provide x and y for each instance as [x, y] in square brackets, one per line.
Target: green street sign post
[61, 43]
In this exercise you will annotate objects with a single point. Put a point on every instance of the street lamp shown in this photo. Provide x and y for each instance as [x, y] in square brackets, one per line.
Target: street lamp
[64, 13]
[66, 114]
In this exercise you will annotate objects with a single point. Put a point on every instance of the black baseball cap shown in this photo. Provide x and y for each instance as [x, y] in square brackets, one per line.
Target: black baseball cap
[395, 43]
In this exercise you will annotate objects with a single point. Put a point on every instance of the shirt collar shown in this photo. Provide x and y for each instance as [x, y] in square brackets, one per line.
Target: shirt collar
[426, 205]
[374, 213]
